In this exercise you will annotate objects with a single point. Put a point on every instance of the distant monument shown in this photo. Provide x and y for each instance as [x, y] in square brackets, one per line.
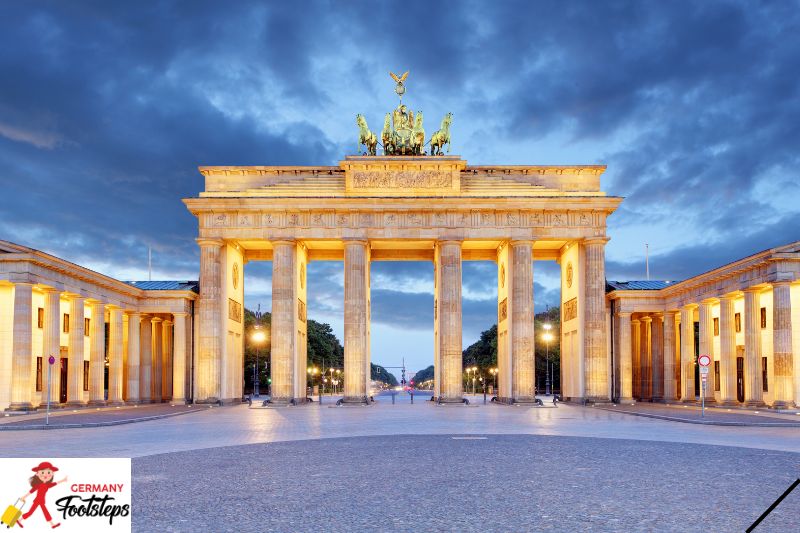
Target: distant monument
[403, 132]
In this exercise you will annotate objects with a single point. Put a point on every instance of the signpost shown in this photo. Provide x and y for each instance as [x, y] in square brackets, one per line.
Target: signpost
[703, 361]
[50, 362]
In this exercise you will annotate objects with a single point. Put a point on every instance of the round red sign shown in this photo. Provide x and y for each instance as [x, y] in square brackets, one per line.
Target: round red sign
[704, 360]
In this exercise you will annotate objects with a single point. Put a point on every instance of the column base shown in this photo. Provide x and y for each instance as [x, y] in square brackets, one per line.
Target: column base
[452, 401]
[597, 400]
[204, 401]
[132, 402]
[754, 403]
[21, 406]
[724, 403]
[75, 403]
[97, 403]
[115, 403]
[780, 404]
[628, 401]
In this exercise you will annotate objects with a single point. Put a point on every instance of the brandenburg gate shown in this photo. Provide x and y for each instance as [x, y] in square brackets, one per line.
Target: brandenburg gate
[403, 208]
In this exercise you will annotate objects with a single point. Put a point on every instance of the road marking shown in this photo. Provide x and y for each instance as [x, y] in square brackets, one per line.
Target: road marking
[469, 438]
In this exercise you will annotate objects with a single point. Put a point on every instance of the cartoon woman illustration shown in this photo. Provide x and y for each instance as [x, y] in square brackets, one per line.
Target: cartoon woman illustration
[41, 482]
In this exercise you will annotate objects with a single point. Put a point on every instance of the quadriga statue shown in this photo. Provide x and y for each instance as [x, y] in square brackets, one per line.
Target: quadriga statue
[442, 136]
[365, 137]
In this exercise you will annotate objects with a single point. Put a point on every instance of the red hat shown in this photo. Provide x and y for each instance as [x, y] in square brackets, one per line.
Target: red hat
[44, 466]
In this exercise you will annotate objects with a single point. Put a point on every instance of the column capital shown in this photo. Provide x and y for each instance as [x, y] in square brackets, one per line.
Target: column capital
[156, 320]
[728, 296]
[708, 301]
[458, 242]
[596, 240]
[647, 319]
[133, 314]
[24, 284]
[623, 313]
[167, 322]
[180, 314]
[781, 283]
[283, 242]
[635, 321]
[355, 241]
[689, 307]
[672, 312]
[73, 297]
[50, 289]
[521, 242]
[659, 316]
[210, 241]
[754, 290]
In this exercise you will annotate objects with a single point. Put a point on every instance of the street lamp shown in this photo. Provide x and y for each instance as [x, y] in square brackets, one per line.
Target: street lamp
[547, 337]
[258, 337]
[493, 371]
[338, 373]
[312, 371]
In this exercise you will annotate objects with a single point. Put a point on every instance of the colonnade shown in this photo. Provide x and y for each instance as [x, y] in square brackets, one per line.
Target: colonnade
[747, 334]
[145, 354]
[516, 369]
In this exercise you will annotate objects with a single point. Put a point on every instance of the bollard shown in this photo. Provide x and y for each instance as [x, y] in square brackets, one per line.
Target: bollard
[393, 395]
[484, 396]
[412, 398]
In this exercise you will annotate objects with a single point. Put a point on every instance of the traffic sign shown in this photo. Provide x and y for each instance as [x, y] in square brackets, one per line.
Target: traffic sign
[704, 360]
[704, 377]
[51, 360]
[703, 370]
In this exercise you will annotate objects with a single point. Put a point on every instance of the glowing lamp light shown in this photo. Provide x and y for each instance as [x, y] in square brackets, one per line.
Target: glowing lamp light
[259, 336]
[547, 326]
[547, 337]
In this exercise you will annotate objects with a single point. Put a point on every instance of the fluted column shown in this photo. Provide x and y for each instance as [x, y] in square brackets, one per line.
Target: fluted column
[76, 355]
[657, 359]
[687, 354]
[157, 354]
[166, 359]
[134, 340]
[356, 345]
[450, 321]
[97, 347]
[522, 345]
[670, 394]
[595, 347]
[625, 358]
[22, 348]
[52, 345]
[636, 342]
[706, 339]
[727, 351]
[283, 322]
[753, 392]
[146, 360]
[647, 354]
[179, 357]
[211, 333]
[782, 345]
[115, 348]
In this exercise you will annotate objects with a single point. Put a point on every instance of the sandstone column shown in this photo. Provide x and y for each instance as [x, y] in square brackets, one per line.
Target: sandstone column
[595, 348]
[356, 345]
[22, 348]
[753, 392]
[450, 321]
[283, 323]
[782, 345]
[687, 354]
[727, 352]
[75, 357]
[669, 357]
[522, 345]
[115, 351]
[166, 359]
[146, 360]
[657, 361]
[179, 357]
[625, 358]
[211, 332]
[636, 342]
[706, 334]
[157, 354]
[134, 338]
[97, 348]
[52, 345]
[647, 354]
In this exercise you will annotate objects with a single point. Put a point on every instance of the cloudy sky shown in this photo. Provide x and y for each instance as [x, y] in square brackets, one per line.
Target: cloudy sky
[107, 109]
